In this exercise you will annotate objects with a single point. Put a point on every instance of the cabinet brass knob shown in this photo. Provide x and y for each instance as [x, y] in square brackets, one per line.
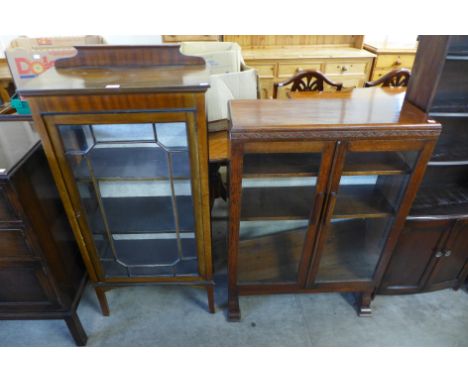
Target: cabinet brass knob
[397, 62]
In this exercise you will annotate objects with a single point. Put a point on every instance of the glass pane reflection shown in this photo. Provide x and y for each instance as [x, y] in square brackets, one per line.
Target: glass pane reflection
[135, 188]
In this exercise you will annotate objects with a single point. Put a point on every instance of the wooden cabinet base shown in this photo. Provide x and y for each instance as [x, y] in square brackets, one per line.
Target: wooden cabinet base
[69, 315]
[102, 299]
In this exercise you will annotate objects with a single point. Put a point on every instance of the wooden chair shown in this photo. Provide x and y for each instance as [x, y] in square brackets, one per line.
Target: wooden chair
[306, 81]
[396, 78]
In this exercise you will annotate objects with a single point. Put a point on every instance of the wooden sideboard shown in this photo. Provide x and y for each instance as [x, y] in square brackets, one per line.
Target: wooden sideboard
[390, 56]
[278, 58]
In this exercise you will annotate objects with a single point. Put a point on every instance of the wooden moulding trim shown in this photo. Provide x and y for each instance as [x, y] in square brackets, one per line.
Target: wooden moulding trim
[128, 56]
[330, 135]
[70, 92]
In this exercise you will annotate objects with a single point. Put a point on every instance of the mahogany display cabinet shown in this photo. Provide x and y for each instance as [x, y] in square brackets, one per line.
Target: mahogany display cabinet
[42, 275]
[320, 189]
[124, 131]
[432, 252]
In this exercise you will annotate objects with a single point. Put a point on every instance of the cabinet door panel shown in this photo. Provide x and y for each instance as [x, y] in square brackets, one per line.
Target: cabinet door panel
[281, 202]
[134, 186]
[417, 245]
[367, 188]
[455, 256]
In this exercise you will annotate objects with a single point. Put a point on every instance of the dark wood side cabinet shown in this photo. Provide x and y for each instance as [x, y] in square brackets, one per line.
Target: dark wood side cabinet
[432, 252]
[320, 189]
[42, 275]
[124, 131]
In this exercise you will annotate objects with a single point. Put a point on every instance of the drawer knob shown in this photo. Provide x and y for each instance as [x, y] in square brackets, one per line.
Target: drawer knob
[397, 62]
[439, 254]
[344, 68]
[447, 253]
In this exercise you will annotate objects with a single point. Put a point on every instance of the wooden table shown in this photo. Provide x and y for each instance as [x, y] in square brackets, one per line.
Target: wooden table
[5, 81]
[218, 146]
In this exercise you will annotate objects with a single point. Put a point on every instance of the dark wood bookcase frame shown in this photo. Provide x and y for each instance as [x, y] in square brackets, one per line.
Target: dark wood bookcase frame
[431, 252]
[42, 275]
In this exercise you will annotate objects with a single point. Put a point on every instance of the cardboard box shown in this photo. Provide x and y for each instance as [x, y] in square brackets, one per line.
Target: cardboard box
[225, 87]
[30, 57]
[221, 57]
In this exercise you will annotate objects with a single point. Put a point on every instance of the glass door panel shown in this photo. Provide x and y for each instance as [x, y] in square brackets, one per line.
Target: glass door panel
[362, 212]
[135, 188]
[278, 197]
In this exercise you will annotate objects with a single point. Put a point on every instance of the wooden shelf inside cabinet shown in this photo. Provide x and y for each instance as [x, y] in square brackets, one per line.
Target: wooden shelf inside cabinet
[361, 201]
[133, 163]
[277, 203]
[449, 155]
[271, 257]
[339, 260]
[445, 200]
[380, 163]
[298, 164]
[280, 165]
[144, 215]
[295, 203]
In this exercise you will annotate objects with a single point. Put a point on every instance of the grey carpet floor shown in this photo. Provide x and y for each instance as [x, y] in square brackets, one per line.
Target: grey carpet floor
[177, 316]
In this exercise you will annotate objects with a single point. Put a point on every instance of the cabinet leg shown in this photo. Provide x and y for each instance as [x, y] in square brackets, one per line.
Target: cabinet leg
[364, 309]
[76, 329]
[211, 302]
[101, 295]
[233, 308]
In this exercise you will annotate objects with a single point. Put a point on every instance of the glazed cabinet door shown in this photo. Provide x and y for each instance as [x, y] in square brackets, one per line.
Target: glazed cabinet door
[369, 183]
[281, 190]
[134, 184]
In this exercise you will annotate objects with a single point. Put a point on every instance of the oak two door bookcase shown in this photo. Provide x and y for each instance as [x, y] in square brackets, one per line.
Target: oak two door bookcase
[320, 189]
[125, 133]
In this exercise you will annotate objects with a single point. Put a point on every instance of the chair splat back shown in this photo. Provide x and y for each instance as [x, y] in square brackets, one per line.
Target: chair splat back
[396, 79]
[306, 81]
